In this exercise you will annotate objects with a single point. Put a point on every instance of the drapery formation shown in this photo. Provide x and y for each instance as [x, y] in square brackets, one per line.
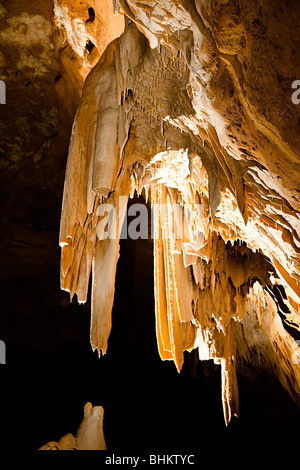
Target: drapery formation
[165, 111]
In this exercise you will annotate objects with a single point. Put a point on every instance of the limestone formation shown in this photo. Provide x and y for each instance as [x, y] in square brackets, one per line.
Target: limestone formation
[184, 108]
[89, 436]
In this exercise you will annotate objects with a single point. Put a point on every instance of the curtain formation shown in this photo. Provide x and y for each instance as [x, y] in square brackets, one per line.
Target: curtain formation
[223, 231]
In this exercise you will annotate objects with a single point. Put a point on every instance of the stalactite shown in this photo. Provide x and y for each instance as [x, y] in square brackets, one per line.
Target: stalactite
[204, 282]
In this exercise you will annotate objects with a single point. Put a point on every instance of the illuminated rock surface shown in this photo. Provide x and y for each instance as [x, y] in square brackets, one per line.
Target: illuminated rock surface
[89, 436]
[174, 92]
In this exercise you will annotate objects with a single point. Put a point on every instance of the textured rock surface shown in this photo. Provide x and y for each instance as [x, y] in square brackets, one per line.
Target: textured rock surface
[185, 114]
[43, 64]
[90, 435]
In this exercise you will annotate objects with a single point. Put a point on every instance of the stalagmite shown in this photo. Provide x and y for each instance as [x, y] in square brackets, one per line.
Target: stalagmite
[90, 435]
[176, 143]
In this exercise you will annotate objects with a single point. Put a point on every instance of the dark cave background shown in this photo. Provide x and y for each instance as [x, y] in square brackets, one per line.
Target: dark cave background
[51, 371]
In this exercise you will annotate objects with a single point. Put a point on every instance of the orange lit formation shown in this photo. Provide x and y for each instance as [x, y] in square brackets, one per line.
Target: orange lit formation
[166, 111]
[90, 435]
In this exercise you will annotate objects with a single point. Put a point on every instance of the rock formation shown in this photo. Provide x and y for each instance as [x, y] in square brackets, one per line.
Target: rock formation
[192, 107]
[89, 436]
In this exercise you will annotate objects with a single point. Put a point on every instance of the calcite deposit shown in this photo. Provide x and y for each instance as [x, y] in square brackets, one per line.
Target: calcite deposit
[90, 435]
[191, 106]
